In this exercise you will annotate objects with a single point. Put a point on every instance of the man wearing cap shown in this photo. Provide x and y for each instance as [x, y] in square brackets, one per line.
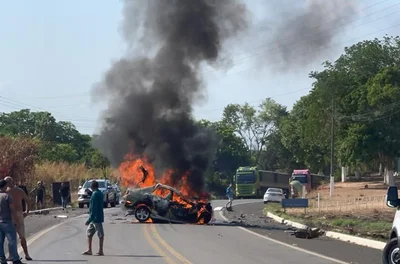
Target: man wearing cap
[18, 195]
[7, 227]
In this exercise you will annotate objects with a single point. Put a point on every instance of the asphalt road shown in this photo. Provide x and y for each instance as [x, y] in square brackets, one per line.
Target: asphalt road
[127, 241]
[252, 214]
[35, 223]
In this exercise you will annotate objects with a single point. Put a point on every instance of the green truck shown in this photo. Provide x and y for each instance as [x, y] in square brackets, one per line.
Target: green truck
[250, 182]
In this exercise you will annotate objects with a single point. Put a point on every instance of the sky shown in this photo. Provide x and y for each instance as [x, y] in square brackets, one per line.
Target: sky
[53, 52]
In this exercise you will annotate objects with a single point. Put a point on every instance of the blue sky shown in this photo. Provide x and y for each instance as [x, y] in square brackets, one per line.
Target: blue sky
[52, 52]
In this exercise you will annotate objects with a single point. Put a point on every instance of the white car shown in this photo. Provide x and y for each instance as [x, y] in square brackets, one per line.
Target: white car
[273, 195]
[110, 194]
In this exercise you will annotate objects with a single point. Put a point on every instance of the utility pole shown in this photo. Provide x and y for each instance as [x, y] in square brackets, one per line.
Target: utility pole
[332, 178]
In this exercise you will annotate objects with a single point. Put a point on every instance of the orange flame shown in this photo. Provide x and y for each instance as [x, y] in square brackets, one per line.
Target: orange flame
[132, 176]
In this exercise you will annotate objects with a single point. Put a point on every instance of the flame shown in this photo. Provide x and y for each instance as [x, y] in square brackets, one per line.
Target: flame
[132, 176]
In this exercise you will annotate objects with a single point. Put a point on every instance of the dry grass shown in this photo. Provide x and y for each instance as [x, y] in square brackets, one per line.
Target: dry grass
[345, 190]
[76, 174]
[372, 224]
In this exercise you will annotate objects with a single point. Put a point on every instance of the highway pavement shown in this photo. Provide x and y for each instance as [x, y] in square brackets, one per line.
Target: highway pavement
[128, 241]
[252, 215]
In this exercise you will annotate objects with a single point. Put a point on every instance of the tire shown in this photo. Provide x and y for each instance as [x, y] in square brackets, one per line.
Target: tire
[391, 252]
[81, 205]
[142, 213]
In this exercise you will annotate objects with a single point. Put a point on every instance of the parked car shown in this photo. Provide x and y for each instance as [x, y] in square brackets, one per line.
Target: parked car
[391, 252]
[146, 204]
[110, 194]
[273, 195]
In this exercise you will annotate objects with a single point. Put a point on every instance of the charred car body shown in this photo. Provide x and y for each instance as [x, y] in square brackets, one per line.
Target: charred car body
[147, 204]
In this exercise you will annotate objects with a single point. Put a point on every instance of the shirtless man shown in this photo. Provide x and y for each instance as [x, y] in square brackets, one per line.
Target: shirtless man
[17, 196]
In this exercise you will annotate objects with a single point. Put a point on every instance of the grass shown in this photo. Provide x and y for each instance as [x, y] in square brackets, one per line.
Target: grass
[50, 172]
[374, 225]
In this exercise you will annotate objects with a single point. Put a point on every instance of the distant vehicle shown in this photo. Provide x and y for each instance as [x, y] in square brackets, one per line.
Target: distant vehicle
[146, 205]
[110, 194]
[273, 195]
[251, 182]
[391, 252]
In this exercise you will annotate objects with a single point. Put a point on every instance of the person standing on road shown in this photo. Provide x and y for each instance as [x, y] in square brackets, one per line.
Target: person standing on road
[7, 227]
[65, 194]
[96, 219]
[229, 194]
[40, 195]
[18, 196]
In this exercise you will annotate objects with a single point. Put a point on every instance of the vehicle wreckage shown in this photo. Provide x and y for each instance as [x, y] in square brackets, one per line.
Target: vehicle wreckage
[149, 204]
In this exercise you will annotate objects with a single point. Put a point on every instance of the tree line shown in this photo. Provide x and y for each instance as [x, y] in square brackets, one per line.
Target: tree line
[354, 99]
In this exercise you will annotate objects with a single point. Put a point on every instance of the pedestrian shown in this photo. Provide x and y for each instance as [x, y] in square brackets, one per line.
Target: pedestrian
[40, 195]
[65, 194]
[7, 227]
[96, 219]
[18, 196]
[229, 194]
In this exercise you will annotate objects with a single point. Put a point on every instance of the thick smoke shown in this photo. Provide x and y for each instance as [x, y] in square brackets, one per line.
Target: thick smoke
[151, 97]
[308, 34]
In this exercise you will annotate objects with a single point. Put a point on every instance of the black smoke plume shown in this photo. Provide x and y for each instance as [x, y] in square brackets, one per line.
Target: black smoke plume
[151, 97]
[308, 33]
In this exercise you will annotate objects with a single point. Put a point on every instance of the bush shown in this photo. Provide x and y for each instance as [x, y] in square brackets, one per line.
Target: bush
[17, 157]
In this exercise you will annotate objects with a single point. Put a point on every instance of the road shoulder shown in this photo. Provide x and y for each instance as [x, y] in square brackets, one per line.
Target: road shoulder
[251, 215]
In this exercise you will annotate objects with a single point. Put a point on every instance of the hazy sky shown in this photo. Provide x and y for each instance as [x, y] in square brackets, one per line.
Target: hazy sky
[52, 52]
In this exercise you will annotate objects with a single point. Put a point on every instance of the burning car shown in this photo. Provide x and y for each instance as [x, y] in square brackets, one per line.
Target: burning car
[164, 203]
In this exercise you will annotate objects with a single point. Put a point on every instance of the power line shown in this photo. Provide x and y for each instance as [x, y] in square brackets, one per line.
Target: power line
[85, 94]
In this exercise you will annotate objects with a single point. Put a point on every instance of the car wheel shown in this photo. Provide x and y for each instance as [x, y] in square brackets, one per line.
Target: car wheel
[142, 214]
[81, 205]
[391, 252]
[106, 204]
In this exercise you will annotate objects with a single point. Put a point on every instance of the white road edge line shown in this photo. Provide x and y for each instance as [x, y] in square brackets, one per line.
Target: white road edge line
[39, 234]
[285, 244]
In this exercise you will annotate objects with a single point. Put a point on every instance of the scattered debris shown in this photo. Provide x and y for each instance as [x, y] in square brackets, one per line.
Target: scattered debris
[307, 233]
[61, 216]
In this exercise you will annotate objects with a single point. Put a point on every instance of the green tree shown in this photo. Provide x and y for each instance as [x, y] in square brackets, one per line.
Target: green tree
[253, 125]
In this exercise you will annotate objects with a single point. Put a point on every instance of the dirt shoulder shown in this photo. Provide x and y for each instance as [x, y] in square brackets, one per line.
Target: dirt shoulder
[372, 224]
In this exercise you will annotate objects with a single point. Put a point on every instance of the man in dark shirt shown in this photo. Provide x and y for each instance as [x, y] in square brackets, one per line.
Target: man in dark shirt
[96, 219]
[64, 193]
[40, 195]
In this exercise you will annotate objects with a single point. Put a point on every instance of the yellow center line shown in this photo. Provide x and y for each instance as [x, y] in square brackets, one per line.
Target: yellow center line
[155, 246]
[168, 247]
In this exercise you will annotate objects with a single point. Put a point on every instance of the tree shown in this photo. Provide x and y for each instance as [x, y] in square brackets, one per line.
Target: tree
[254, 126]
[362, 86]
[231, 154]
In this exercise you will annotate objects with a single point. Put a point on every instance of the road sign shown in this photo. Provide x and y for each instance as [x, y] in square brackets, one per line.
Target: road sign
[294, 203]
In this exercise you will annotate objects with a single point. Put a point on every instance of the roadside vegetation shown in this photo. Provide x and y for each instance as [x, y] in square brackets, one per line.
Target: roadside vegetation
[360, 91]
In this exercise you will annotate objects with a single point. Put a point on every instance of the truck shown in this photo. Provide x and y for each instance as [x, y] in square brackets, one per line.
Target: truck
[250, 182]
[300, 179]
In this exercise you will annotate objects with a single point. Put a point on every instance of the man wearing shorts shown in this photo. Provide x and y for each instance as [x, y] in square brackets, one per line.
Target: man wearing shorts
[96, 219]
[18, 196]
